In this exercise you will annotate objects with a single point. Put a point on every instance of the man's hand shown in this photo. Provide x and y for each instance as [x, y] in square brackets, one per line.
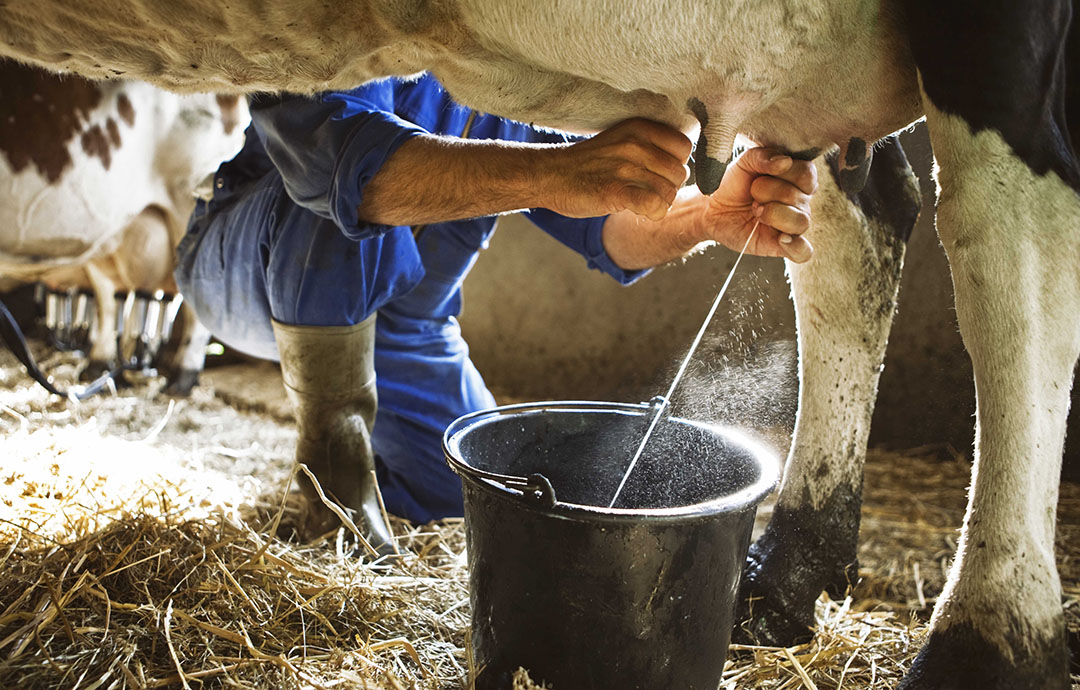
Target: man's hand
[763, 184]
[637, 166]
[767, 186]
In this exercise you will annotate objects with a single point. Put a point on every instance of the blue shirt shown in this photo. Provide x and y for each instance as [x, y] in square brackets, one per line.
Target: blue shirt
[327, 148]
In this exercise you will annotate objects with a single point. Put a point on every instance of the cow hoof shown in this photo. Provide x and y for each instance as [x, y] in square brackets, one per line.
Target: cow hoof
[96, 370]
[767, 616]
[181, 382]
[959, 658]
[803, 552]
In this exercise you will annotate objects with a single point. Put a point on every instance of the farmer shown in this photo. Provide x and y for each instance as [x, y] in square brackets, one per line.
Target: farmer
[337, 241]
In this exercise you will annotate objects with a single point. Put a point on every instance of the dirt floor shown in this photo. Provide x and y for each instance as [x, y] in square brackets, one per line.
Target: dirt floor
[146, 542]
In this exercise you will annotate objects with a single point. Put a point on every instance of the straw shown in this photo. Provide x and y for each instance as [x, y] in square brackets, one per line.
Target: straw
[128, 564]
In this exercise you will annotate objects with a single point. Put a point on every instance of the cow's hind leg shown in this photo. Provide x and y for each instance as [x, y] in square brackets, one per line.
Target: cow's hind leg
[844, 303]
[994, 79]
[1013, 241]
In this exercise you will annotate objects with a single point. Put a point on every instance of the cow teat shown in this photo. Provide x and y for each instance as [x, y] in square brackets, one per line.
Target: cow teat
[709, 169]
[853, 165]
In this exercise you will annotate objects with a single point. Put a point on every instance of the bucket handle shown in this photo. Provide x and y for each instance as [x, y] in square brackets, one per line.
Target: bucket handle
[535, 487]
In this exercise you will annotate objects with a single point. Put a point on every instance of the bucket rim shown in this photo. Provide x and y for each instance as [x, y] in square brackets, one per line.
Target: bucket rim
[750, 496]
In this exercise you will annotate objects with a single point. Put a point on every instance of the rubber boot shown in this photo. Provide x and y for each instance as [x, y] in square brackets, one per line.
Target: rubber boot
[329, 374]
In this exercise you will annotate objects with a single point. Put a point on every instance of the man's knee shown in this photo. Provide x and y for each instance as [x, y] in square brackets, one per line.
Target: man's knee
[317, 276]
[218, 274]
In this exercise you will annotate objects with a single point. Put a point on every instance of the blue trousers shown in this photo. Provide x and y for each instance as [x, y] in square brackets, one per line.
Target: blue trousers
[252, 255]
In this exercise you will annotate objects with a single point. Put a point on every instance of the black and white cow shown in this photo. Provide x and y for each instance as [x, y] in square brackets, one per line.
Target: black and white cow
[991, 77]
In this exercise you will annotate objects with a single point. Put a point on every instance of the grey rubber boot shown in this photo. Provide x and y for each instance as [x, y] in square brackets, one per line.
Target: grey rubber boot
[329, 374]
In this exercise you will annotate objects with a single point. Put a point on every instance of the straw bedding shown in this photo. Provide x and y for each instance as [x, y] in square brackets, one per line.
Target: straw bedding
[147, 543]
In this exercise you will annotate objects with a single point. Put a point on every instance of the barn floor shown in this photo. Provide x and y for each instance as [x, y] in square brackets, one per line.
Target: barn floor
[144, 542]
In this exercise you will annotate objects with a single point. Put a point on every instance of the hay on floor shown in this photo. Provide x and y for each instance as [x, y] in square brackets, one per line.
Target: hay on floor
[851, 649]
[146, 544]
[165, 601]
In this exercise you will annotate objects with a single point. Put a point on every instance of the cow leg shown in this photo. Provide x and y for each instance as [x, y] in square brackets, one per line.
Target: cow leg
[1013, 241]
[103, 353]
[844, 302]
[182, 358]
[995, 80]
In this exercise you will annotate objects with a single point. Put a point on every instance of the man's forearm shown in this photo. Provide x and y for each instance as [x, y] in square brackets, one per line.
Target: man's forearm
[432, 179]
[634, 242]
[636, 165]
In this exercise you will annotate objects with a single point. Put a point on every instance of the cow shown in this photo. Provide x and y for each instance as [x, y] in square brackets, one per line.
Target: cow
[97, 182]
[825, 80]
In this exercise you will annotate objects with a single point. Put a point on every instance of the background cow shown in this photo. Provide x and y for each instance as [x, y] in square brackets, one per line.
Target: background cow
[806, 75]
[96, 185]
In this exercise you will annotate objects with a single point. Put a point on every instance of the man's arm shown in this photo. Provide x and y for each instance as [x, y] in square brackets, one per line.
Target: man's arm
[327, 147]
[632, 173]
[636, 166]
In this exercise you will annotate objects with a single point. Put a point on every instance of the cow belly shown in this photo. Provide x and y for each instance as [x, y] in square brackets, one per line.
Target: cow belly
[575, 65]
[198, 45]
[758, 68]
[663, 46]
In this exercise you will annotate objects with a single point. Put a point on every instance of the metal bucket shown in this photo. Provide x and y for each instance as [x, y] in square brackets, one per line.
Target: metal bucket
[587, 597]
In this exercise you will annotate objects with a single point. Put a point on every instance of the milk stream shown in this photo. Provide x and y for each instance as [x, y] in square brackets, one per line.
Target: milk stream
[666, 400]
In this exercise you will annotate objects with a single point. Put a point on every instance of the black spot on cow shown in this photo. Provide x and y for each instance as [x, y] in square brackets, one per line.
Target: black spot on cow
[96, 145]
[803, 552]
[40, 114]
[1004, 65]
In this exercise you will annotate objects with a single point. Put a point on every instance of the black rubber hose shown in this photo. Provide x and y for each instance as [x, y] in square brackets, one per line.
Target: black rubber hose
[13, 337]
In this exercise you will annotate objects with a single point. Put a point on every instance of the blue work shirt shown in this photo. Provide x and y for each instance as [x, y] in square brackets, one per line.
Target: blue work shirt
[365, 126]
[281, 239]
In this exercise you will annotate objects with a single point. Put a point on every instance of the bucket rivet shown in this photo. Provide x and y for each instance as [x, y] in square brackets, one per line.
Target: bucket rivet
[542, 490]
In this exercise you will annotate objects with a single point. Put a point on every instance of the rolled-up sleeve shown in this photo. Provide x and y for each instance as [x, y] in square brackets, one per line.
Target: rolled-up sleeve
[586, 237]
[327, 149]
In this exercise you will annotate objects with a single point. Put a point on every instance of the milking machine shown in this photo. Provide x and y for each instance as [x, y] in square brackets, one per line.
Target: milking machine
[144, 322]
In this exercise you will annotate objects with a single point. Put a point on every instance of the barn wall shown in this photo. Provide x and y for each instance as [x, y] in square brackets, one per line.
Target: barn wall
[541, 326]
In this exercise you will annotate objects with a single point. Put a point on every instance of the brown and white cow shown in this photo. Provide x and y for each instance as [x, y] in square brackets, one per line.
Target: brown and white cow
[97, 182]
[991, 77]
